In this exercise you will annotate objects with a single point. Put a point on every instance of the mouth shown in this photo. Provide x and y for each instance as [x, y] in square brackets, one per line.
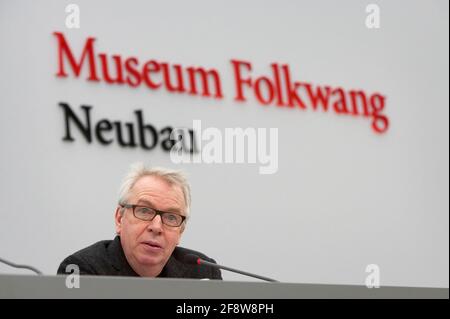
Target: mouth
[152, 245]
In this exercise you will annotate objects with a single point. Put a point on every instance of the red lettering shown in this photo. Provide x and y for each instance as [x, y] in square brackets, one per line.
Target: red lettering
[340, 106]
[134, 78]
[319, 97]
[238, 78]
[150, 66]
[277, 84]
[362, 98]
[204, 78]
[380, 122]
[277, 88]
[63, 49]
[292, 91]
[106, 75]
[179, 76]
[258, 93]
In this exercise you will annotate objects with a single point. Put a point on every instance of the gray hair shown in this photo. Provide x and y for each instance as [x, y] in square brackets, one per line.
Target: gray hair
[172, 177]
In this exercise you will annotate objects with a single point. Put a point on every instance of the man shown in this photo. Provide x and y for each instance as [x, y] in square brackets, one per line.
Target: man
[150, 219]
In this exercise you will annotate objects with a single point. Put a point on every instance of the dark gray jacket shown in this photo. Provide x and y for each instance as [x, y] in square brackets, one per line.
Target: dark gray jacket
[106, 258]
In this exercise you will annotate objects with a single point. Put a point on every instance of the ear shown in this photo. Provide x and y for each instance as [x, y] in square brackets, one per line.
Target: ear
[181, 233]
[118, 220]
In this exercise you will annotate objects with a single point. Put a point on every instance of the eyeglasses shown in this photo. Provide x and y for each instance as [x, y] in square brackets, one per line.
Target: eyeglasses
[148, 214]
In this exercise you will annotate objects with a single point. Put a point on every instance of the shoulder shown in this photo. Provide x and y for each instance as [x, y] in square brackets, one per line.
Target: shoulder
[90, 260]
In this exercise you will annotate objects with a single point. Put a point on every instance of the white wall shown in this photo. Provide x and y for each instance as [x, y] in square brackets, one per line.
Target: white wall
[351, 197]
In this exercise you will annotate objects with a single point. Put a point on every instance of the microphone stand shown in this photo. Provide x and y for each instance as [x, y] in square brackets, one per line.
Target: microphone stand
[204, 262]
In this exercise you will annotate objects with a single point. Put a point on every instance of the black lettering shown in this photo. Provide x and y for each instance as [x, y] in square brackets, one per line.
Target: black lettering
[70, 115]
[193, 148]
[103, 125]
[142, 129]
[120, 139]
[167, 143]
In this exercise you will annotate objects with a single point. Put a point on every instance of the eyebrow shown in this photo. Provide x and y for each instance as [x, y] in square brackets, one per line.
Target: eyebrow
[149, 203]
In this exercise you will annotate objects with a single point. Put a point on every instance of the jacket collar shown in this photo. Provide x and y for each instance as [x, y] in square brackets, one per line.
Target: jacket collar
[118, 259]
[173, 268]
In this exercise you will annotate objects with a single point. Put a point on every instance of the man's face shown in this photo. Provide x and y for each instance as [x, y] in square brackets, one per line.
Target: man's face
[148, 244]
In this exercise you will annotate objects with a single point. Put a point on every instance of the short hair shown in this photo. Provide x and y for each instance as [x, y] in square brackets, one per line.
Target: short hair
[172, 177]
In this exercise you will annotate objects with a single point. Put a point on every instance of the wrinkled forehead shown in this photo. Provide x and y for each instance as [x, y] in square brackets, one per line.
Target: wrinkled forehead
[158, 192]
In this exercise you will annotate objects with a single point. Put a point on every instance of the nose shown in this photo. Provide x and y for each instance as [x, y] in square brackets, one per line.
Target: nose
[155, 225]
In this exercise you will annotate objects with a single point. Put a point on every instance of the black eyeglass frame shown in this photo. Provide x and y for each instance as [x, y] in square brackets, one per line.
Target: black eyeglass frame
[157, 212]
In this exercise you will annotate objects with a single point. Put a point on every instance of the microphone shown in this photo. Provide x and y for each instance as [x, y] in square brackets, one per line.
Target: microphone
[9, 263]
[195, 260]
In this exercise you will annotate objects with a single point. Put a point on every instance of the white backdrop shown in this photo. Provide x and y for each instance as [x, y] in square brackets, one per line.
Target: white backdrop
[343, 197]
